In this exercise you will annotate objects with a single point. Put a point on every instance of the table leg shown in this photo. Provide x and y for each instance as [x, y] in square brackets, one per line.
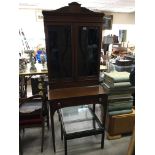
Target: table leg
[104, 110]
[52, 126]
[104, 113]
[94, 108]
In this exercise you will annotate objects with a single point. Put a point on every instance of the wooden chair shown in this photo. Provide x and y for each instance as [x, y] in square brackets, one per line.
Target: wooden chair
[31, 114]
[39, 86]
[22, 87]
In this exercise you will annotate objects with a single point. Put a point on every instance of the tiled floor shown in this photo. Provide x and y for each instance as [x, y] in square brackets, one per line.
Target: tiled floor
[31, 141]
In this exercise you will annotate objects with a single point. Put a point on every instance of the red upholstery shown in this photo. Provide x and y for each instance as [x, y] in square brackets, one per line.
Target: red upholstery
[30, 122]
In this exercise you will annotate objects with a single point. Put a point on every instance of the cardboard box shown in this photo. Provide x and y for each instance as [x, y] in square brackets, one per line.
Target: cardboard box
[120, 124]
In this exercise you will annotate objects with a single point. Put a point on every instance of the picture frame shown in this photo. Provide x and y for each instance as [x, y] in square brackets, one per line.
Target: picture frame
[107, 22]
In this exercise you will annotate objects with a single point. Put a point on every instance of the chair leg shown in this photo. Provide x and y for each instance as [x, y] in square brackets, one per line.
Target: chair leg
[102, 141]
[42, 139]
[48, 115]
[20, 145]
[48, 121]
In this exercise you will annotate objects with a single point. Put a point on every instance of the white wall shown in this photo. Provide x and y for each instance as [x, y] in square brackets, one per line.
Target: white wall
[123, 21]
[34, 28]
[123, 18]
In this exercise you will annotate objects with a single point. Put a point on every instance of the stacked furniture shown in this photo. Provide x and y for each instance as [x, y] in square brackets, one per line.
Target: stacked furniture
[120, 116]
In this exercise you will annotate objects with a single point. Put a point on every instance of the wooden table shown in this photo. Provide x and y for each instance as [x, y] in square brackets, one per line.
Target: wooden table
[38, 72]
[25, 76]
[65, 97]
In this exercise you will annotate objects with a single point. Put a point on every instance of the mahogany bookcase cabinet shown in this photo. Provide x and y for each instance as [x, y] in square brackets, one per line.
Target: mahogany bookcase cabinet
[73, 45]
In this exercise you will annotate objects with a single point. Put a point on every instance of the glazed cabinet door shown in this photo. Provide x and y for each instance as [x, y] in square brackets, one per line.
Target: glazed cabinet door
[88, 50]
[73, 44]
[59, 52]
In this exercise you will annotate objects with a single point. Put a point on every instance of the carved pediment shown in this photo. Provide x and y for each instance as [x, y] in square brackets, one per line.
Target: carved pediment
[73, 7]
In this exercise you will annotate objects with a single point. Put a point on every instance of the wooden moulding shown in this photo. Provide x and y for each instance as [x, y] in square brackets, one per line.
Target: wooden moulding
[109, 137]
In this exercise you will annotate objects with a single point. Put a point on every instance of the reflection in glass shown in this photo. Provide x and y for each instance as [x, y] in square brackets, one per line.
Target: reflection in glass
[60, 56]
[88, 50]
[78, 118]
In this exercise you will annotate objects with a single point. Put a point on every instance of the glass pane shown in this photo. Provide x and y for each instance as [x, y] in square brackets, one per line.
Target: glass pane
[78, 118]
[60, 56]
[88, 50]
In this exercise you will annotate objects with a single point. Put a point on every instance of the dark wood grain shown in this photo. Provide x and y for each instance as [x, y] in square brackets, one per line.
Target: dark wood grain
[71, 18]
[80, 42]
[75, 92]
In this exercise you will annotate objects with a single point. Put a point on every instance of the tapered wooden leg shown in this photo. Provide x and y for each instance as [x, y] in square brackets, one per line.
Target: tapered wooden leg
[102, 141]
[42, 139]
[47, 118]
[20, 145]
[103, 114]
[53, 132]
